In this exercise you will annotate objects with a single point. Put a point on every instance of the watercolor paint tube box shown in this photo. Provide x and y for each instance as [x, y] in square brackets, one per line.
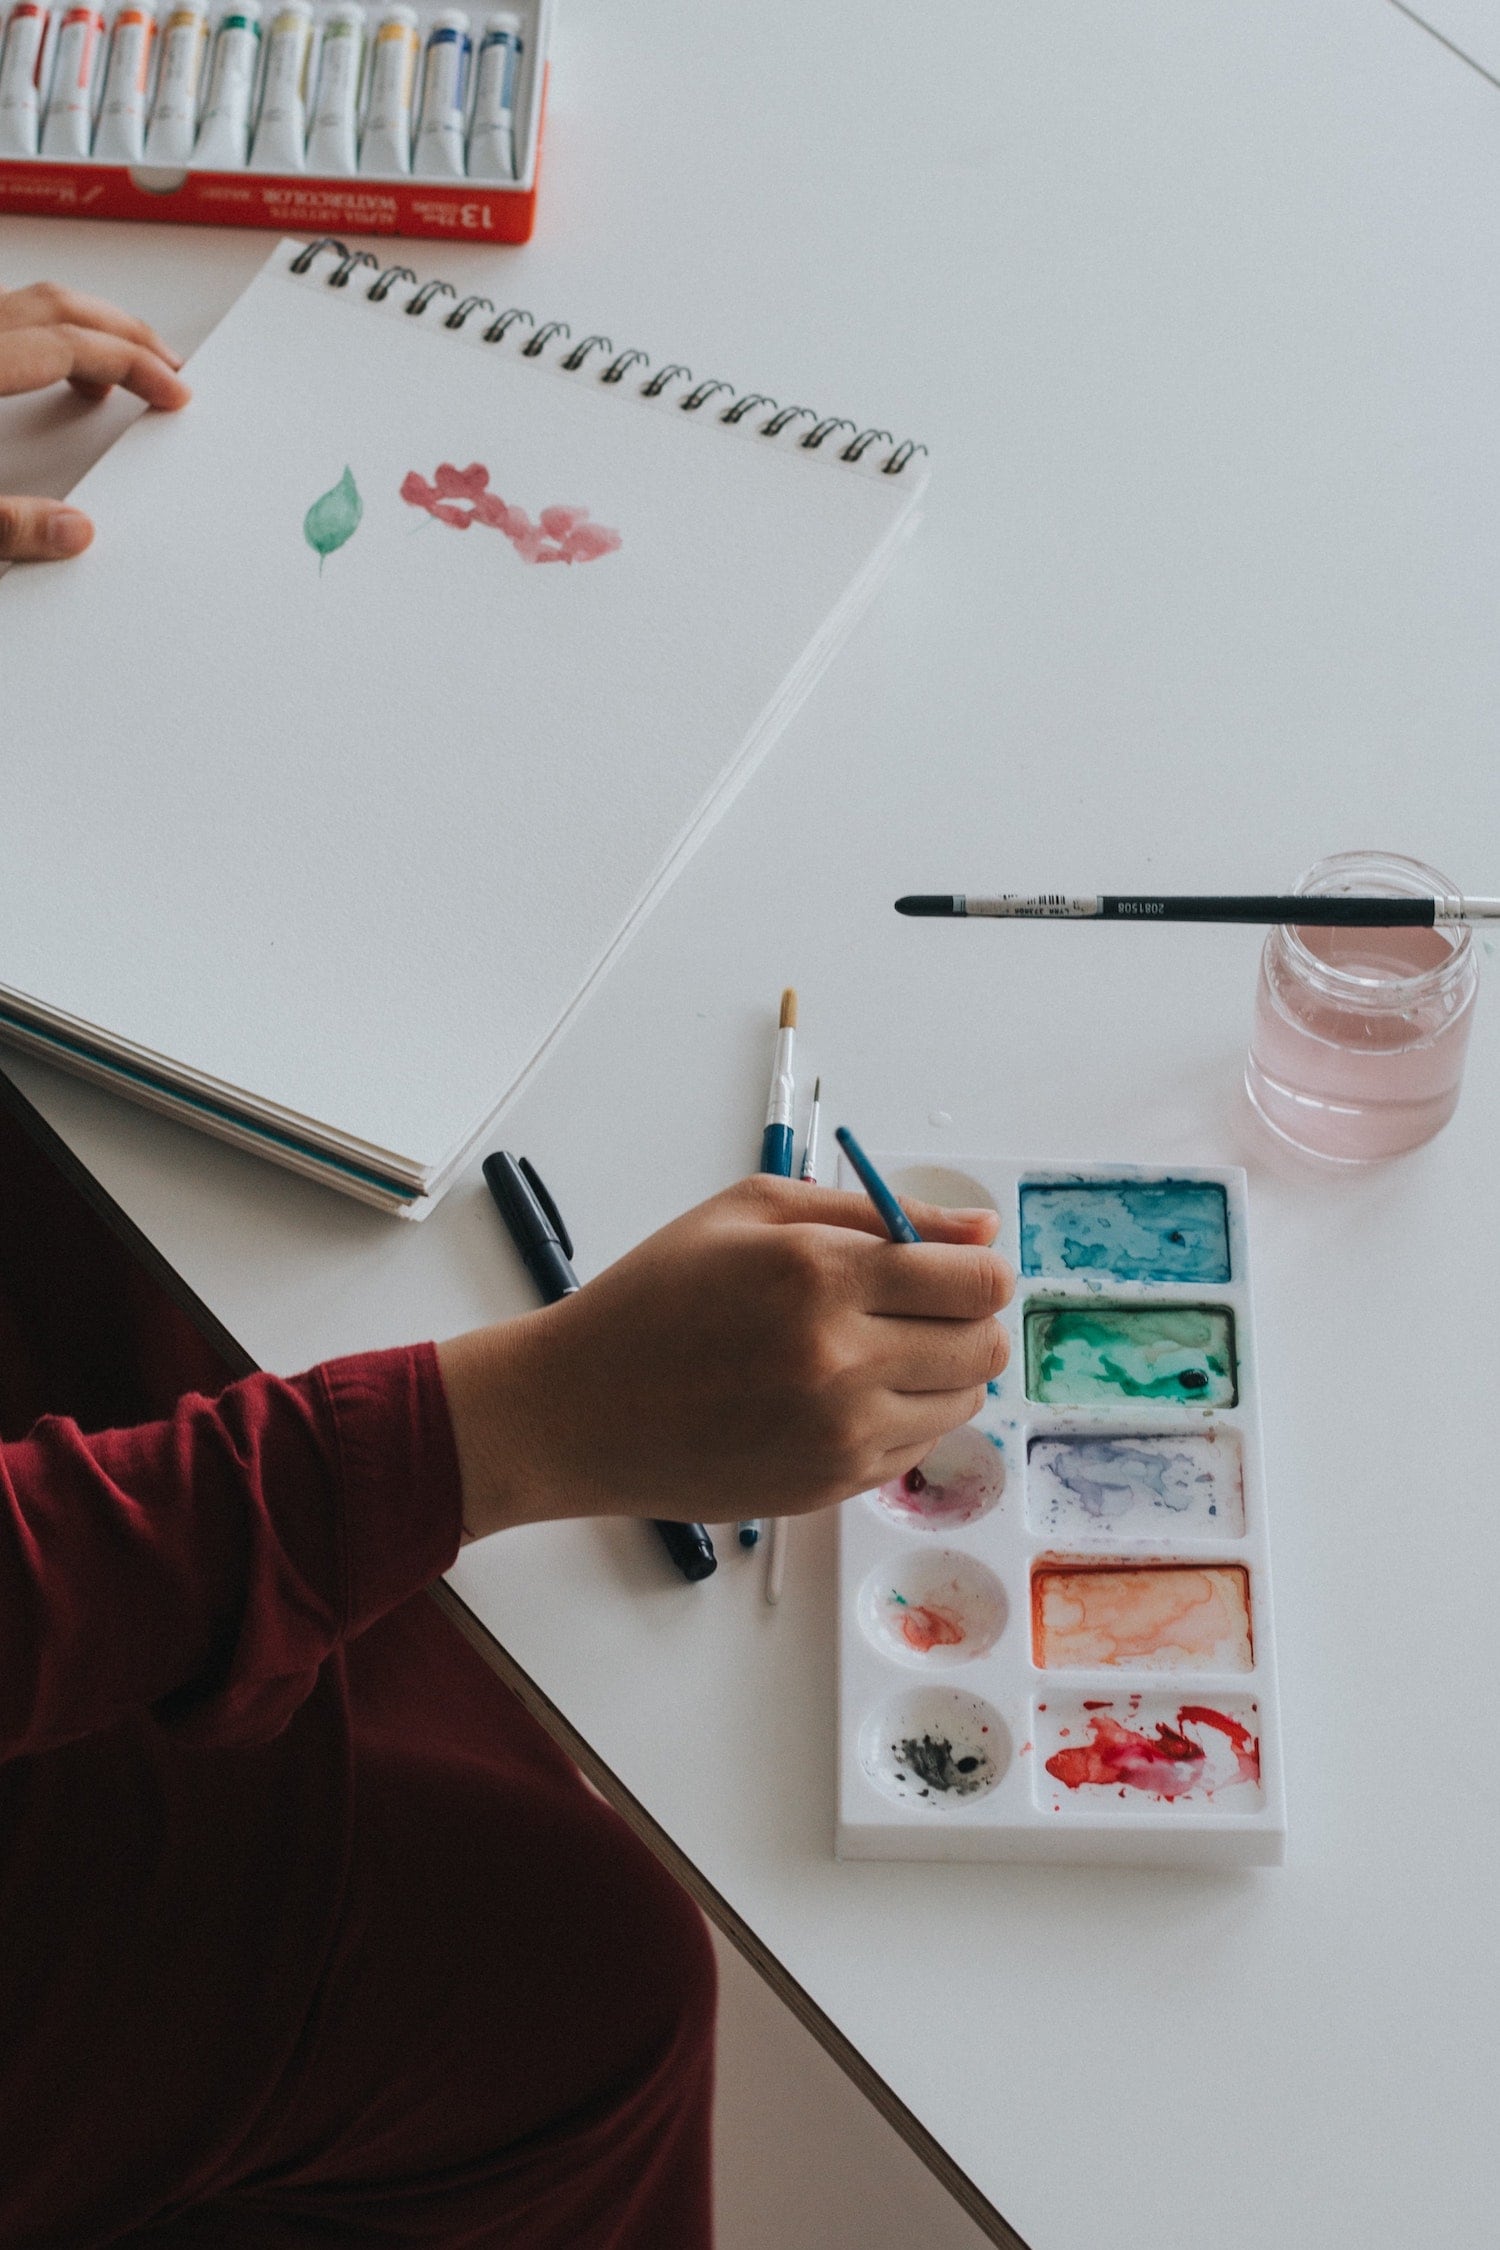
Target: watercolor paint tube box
[1055, 1634]
[302, 202]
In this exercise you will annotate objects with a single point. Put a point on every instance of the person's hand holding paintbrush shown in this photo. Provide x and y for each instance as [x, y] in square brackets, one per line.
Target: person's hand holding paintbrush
[770, 1352]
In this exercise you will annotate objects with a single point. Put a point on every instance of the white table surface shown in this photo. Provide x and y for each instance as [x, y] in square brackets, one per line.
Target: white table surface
[1195, 303]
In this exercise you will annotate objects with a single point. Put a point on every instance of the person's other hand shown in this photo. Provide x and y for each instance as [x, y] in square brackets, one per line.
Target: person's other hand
[768, 1353]
[52, 335]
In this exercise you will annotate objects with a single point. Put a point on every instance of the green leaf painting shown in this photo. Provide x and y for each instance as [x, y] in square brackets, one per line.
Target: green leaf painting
[333, 519]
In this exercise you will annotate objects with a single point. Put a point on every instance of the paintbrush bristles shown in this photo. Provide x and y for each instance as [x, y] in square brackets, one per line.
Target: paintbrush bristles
[789, 1009]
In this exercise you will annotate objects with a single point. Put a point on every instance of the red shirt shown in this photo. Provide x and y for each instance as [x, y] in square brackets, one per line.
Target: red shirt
[170, 1597]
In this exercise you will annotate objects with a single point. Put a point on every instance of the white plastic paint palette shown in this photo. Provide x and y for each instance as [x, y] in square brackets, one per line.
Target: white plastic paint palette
[1055, 1637]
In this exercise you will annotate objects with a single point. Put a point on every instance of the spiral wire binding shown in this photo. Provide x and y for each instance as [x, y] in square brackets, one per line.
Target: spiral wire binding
[425, 295]
[495, 333]
[383, 287]
[580, 352]
[352, 258]
[669, 373]
[461, 312]
[695, 399]
[655, 386]
[620, 366]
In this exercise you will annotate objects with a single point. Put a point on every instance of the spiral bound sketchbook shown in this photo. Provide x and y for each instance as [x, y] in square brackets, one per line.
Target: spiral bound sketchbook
[411, 661]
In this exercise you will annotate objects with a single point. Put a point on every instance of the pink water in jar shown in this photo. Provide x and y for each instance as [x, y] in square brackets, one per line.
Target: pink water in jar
[1358, 1045]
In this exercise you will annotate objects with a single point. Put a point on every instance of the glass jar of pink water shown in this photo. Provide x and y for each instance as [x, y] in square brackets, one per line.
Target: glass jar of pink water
[1360, 1034]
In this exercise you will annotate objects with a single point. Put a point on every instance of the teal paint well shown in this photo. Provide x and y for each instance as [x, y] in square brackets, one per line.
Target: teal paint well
[1129, 1230]
[1091, 1355]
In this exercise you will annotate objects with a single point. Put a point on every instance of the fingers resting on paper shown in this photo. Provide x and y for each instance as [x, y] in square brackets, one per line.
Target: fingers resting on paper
[47, 304]
[93, 360]
[41, 530]
[48, 335]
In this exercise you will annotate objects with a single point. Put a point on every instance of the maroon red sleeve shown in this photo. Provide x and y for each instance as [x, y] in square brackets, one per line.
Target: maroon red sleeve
[202, 1568]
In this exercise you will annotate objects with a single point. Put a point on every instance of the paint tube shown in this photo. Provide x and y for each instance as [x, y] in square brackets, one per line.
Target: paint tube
[386, 146]
[281, 129]
[121, 135]
[492, 136]
[224, 134]
[439, 152]
[331, 140]
[69, 126]
[179, 76]
[20, 67]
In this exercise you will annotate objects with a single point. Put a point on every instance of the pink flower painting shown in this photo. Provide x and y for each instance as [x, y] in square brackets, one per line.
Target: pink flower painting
[462, 496]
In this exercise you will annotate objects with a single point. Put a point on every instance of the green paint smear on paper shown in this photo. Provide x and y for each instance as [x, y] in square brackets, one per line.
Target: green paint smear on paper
[333, 519]
[1082, 1355]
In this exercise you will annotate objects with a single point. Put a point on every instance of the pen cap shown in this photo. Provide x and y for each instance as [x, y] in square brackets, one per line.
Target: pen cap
[399, 13]
[505, 20]
[450, 19]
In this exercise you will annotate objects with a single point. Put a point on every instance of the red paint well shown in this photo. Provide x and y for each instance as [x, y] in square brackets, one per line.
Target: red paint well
[1118, 1757]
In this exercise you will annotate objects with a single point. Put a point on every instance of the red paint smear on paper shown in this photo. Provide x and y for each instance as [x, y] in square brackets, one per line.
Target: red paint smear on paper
[1171, 1766]
[462, 496]
[924, 1627]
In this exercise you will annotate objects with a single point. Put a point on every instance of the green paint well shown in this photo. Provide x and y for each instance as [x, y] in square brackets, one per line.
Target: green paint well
[333, 519]
[1086, 1355]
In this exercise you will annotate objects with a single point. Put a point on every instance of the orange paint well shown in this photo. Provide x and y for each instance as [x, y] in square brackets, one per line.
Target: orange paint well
[1156, 1617]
